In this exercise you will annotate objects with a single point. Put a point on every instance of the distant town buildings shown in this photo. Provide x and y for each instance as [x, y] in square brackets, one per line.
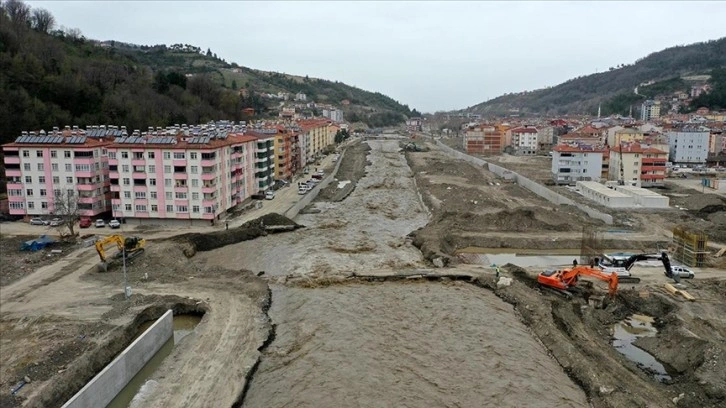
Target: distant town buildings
[650, 109]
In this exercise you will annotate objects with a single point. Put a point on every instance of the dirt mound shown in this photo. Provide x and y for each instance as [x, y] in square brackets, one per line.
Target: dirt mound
[516, 220]
[194, 242]
[351, 168]
[699, 202]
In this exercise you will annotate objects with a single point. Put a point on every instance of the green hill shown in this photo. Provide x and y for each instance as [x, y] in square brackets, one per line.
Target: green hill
[51, 77]
[614, 89]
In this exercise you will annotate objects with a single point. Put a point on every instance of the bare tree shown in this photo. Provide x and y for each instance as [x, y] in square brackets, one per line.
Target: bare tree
[18, 12]
[65, 207]
[43, 20]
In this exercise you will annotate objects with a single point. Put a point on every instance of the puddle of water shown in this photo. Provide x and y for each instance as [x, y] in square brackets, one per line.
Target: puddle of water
[626, 332]
[183, 326]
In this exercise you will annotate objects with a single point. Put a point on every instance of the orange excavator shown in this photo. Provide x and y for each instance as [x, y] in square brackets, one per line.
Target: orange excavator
[564, 280]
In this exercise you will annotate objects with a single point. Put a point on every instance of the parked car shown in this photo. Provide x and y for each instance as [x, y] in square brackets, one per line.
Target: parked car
[55, 222]
[85, 222]
[38, 221]
[100, 224]
[682, 272]
[302, 188]
[114, 224]
[269, 195]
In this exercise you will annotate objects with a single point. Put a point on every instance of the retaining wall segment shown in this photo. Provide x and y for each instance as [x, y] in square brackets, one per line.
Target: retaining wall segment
[530, 185]
[310, 195]
[111, 380]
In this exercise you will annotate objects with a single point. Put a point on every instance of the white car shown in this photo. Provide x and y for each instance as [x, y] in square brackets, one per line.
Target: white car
[269, 195]
[302, 189]
[114, 224]
[38, 221]
[55, 222]
[100, 224]
[682, 272]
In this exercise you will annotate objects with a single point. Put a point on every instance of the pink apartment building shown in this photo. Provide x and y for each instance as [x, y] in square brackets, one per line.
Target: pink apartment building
[192, 179]
[40, 167]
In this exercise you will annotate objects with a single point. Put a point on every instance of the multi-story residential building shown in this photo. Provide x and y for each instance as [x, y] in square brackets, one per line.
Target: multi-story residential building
[191, 179]
[642, 166]
[264, 157]
[649, 110]
[524, 140]
[40, 167]
[414, 124]
[624, 135]
[336, 115]
[688, 146]
[318, 137]
[483, 140]
[571, 164]
[545, 139]
[285, 165]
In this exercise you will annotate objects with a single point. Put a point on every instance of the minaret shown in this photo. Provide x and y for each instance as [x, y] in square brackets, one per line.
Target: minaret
[598, 110]
[630, 113]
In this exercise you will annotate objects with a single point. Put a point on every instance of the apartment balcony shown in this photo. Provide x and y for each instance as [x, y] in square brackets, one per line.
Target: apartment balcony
[209, 202]
[84, 160]
[209, 189]
[181, 189]
[115, 201]
[86, 186]
[14, 185]
[179, 163]
[141, 201]
[652, 176]
[16, 199]
[209, 176]
[208, 162]
[653, 168]
[115, 188]
[138, 162]
[138, 175]
[13, 173]
[113, 162]
[12, 159]
[86, 199]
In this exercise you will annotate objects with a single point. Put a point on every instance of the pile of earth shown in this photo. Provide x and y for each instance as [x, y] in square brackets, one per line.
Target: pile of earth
[194, 242]
[700, 202]
[352, 168]
[521, 219]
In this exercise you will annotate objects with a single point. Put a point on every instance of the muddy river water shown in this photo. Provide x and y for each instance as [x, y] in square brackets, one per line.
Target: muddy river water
[425, 344]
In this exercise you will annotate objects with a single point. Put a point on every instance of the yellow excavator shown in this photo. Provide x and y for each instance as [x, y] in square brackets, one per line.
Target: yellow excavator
[131, 247]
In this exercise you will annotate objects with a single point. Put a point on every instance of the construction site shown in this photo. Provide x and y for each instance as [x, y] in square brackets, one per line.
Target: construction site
[415, 278]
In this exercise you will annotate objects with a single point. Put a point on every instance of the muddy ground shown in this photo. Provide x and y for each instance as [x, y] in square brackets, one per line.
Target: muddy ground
[17, 264]
[351, 170]
[429, 343]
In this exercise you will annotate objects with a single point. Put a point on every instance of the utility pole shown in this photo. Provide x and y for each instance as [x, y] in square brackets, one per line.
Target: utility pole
[126, 282]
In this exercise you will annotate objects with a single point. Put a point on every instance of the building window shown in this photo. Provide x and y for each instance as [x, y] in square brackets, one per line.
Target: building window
[181, 196]
[127, 194]
[125, 168]
[26, 153]
[152, 194]
[67, 154]
[167, 155]
[141, 195]
[169, 208]
[182, 208]
[71, 192]
[31, 205]
[152, 168]
[154, 208]
[127, 182]
[194, 169]
[195, 209]
[140, 208]
[128, 207]
[179, 155]
[54, 154]
[152, 182]
[44, 205]
[167, 182]
[151, 155]
[193, 155]
[38, 153]
[138, 155]
[69, 167]
[17, 205]
[29, 192]
[195, 183]
[43, 193]
[124, 155]
[112, 155]
[41, 167]
[26, 166]
[56, 180]
[54, 166]
[28, 179]
[69, 180]
[168, 195]
[41, 179]
[195, 196]
[167, 169]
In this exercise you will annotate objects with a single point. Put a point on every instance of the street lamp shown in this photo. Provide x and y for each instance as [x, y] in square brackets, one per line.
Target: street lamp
[127, 288]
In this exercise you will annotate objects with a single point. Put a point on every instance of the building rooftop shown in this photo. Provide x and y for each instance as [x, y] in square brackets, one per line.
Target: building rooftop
[602, 189]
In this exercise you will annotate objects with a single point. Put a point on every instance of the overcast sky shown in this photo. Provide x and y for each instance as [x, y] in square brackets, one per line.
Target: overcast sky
[429, 55]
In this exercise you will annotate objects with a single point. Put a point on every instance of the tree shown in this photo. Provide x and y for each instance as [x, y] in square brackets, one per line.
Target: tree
[18, 12]
[234, 85]
[42, 20]
[209, 52]
[65, 207]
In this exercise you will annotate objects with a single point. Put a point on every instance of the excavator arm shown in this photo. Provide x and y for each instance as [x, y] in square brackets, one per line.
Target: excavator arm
[663, 257]
[111, 239]
[127, 246]
[563, 279]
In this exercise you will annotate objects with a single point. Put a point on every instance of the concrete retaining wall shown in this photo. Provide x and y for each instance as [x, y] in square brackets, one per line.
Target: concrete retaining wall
[530, 185]
[108, 383]
[310, 195]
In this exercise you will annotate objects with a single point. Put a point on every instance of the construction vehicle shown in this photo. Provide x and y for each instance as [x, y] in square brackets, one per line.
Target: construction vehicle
[128, 247]
[565, 281]
[623, 266]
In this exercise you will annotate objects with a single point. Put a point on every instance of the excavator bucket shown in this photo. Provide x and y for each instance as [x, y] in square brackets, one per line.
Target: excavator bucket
[103, 267]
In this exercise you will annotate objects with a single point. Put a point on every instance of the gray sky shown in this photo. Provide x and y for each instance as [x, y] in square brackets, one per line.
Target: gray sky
[429, 55]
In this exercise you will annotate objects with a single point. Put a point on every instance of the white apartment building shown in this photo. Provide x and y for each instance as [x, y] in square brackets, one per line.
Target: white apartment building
[571, 164]
[40, 167]
[650, 109]
[688, 146]
[642, 166]
[336, 115]
[524, 140]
